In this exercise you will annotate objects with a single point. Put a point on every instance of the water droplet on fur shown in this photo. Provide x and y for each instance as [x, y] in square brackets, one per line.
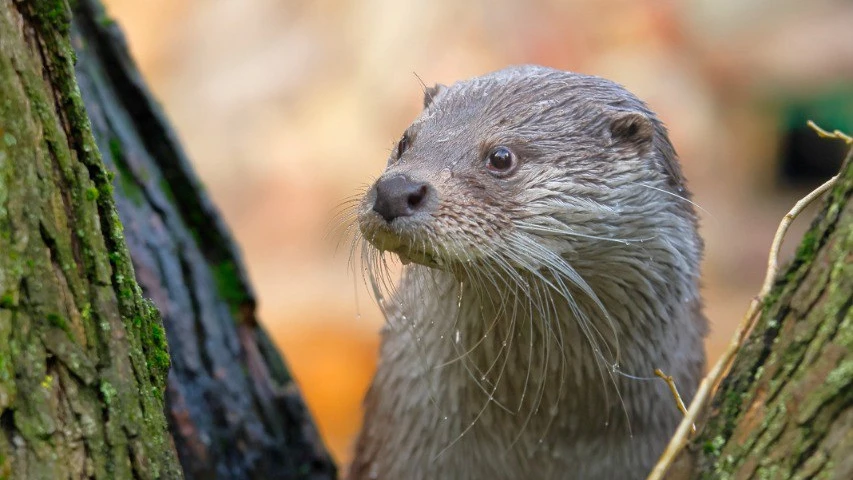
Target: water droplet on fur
[553, 411]
[458, 336]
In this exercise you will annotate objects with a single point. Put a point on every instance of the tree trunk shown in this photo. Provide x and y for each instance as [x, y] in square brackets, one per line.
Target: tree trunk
[82, 355]
[233, 408]
[784, 410]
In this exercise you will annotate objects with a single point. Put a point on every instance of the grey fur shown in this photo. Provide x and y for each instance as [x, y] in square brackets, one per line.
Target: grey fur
[535, 296]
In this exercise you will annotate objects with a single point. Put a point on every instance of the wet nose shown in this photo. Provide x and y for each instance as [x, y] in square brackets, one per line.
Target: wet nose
[399, 196]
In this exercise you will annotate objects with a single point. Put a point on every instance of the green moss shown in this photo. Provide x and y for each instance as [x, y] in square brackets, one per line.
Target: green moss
[108, 392]
[839, 378]
[167, 190]
[67, 134]
[5, 468]
[808, 246]
[115, 149]
[125, 176]
[105, 190]
[154, 343]
[229, 284]
[160, 362]
[53, 13]
[9, 139]
[57, 321]
[105, 21]
[158, 335]
[714, 446]
[7, 301]
[92, 193]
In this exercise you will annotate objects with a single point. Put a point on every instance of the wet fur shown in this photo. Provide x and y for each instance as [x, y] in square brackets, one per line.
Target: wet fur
[511, 352]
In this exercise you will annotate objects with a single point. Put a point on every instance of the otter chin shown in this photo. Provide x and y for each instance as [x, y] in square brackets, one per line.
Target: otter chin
[551, 260]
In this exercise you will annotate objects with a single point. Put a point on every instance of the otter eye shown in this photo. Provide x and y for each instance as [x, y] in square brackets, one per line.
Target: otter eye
[500, 160]
[402, 145]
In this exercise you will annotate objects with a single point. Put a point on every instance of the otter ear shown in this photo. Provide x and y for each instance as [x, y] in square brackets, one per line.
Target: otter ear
[430, 93]
[632, 128]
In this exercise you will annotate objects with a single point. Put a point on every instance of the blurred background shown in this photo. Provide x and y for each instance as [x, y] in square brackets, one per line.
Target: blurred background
[288, 107]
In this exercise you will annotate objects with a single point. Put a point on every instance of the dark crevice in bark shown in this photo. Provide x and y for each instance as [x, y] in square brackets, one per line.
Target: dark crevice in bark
[195, 312]
[7, 425]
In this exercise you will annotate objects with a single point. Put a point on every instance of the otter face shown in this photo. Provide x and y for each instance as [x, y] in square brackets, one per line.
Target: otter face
[524, 158]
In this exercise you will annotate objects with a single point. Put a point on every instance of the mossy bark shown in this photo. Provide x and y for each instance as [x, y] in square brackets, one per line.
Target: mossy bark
[233, 409]
[784, 410]
[89, 206]
[83, 358]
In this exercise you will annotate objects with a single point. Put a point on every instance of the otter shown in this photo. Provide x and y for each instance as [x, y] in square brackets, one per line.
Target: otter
[551, 264]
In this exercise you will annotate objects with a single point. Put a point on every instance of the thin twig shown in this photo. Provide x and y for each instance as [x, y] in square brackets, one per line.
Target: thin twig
[835, 134]
[712, 380]
[672, 388]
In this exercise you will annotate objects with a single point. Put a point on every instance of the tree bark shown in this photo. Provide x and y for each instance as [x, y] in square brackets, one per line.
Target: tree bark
[83, 359]
[233, 408]
[784, 409]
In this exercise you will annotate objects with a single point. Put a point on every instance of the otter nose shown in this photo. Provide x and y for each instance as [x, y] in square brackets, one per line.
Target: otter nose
[399, 196]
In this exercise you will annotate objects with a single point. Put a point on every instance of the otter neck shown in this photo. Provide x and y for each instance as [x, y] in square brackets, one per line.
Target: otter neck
[518, 340]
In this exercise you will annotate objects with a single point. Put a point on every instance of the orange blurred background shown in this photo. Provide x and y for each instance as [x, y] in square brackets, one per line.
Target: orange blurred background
[287, 108]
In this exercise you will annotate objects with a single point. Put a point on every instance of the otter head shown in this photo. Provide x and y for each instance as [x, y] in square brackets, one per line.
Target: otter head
[529, 167]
